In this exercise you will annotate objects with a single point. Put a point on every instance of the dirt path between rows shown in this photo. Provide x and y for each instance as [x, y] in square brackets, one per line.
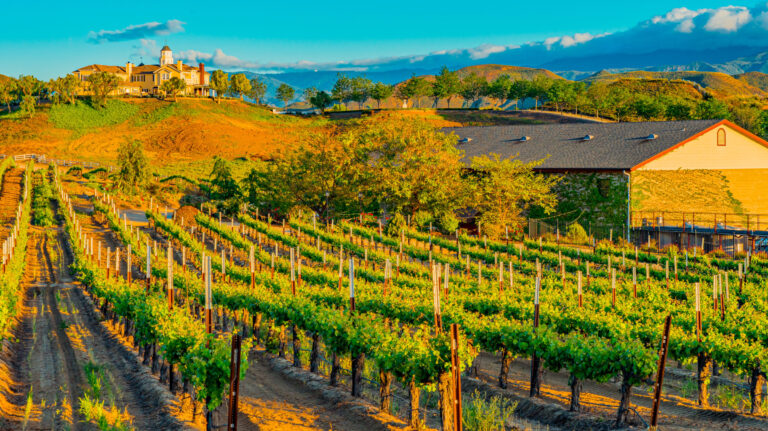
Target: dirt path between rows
[268, 399]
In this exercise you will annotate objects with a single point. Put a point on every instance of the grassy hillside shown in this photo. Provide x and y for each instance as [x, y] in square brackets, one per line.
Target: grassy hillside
[190, 129]
[755, 79]
[3, 78]
[718, 84]
[493, 71]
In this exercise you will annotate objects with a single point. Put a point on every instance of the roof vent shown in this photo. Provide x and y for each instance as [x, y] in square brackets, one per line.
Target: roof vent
[465, 140]
[587, 138]
[525, 139]
[652, 136]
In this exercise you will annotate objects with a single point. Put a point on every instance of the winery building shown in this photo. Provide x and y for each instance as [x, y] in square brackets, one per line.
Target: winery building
[677, 177]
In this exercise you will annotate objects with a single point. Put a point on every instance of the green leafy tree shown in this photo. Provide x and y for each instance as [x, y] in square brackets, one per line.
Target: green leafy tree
[133, 166]
[519, 91]
[258, 90]
[219, 83]
[285, 93]
[28, 85]
[7, 93]
[577, 96]
[239, 85]
[308, 93]
[679, 110]
[620, 99]
[598, 95]
[712, 109]
[63, 89]
[321, 101]
[538, 89]
[172, 87]
[224, 187]
[648, 108]
[342, 88]
[447, 85]
[102, 84]
[498, 89]
[381, 91]
[407, 90]
[423, 88]
[503, 189]
[360, 90]
[473, 86]
[27, 105]
[558, 92]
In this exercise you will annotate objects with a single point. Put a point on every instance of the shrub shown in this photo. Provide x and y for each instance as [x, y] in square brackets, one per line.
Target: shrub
[422, 218]
[576, 233]
[447, 222]
[481, 414]
[395, 225]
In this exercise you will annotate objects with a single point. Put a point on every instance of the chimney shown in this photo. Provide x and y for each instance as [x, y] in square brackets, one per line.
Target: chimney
[129, 69]
[201, 67]
[179, 66]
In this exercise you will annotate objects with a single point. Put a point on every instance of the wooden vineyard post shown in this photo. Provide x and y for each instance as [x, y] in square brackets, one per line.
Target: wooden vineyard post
[436, 298]
[741, 277]
[351, 285]
[456, 374]
[613, 287]
[148, 269]
[714, 294]
[675, 268]
[588, 276]
[634, 281]
[647, 275]
[445, 279]
[117, 263]
[109, 254]
[698, 313]
[578, 277]
[128, 264]
[170, 277]
[208, 295]
[341, 267]
[666, 273]
[252, 267]
[293, 273]
[536, 369]
[234, 382]
[184, 259]
[660, 373]
[511, 276]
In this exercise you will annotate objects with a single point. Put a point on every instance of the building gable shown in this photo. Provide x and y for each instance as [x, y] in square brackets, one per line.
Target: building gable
[722, 146]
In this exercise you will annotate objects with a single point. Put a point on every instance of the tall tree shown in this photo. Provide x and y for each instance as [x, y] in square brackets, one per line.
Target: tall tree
[598, 96]
[499, 88]
[309, 93]
[518, 91]
[360, 90]
[102, 83]
[679, 109]
[558, 92]
[407, 90]
[381, 91]
[28, 85]
[172, 87]
[577, 96]
[473, 86]
[133, 166]
[503, 189]
[712, 109]
[538, 89]
[648, 108]
[258, 90]
[7, 93]
[239, 85]
[342, 89]
[447, 85]
[422, 88]
[285, 93]
[219, 83]
[321, 101]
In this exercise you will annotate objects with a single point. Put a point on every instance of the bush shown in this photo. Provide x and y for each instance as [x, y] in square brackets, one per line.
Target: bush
[395, 225]
[422, 219]
[447, 222]
[481, 414]
[576, 233]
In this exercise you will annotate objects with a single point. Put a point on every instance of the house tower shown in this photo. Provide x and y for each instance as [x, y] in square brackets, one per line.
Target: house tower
[166, 56]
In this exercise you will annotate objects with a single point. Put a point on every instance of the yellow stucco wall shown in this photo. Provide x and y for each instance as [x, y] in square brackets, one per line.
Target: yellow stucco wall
[740, 152]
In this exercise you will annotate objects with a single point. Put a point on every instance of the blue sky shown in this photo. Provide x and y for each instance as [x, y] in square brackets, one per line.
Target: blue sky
[49, 39]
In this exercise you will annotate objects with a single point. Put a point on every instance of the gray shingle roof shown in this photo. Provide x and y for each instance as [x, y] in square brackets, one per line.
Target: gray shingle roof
[614, 146]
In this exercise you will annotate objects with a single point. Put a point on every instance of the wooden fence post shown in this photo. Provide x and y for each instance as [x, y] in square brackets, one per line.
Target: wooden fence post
[234, 382]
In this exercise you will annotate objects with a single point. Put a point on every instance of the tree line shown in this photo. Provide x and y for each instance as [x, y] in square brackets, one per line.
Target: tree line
[389, 164]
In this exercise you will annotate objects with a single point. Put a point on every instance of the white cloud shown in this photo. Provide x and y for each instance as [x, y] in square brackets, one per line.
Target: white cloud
[483, 51]
[728, 19]
[685, 26]
[679, 14]
[139, 31]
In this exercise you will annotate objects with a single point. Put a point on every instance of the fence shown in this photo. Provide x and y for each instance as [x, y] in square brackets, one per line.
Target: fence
[42, 158]
[699, 221]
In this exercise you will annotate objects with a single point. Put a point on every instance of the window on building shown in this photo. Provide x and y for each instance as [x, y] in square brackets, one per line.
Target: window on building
[721, 137]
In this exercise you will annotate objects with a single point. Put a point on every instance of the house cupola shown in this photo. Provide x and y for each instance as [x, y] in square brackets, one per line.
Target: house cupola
[166, 56]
